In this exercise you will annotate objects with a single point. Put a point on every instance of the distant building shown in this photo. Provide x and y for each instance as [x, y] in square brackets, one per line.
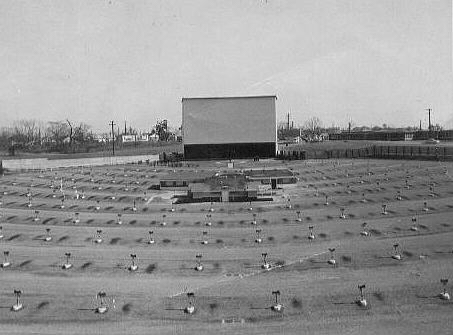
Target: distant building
[136, 138]
[291, 140]
[101, 138]
[153, 137]
[128, 138]
[229, 127]
[380, 135]
[142, 138]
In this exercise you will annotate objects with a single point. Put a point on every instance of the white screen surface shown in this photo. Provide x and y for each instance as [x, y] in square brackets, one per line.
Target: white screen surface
[229, 120]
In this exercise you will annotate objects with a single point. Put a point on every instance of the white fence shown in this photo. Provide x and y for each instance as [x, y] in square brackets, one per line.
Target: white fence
[45, 163]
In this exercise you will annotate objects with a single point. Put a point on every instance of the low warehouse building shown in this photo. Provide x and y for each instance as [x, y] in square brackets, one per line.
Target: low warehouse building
[273, 177]
[183, 179]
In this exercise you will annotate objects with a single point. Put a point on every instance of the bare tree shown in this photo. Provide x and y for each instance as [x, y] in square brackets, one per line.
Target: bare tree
[82, 134]
[313, 125]
[57, 132]
[5, 137]
[26, 132]
[70, 132]
[162, 130]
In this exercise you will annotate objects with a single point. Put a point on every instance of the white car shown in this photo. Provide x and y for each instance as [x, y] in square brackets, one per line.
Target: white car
[432, 141]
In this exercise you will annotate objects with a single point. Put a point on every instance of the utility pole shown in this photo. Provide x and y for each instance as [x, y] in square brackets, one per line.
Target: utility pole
[113, 137]
[288, 120]
[429, 118]
[349, 129]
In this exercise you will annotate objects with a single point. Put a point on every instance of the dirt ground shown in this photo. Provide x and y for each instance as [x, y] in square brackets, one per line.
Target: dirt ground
[233, 294]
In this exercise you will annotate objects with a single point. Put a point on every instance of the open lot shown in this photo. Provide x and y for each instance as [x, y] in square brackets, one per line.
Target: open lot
[232, 293]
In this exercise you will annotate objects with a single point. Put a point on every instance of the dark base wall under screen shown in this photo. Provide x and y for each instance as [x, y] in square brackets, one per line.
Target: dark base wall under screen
[229, 150]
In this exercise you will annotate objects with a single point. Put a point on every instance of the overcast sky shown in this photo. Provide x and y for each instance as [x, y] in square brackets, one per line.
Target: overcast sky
[368, 61]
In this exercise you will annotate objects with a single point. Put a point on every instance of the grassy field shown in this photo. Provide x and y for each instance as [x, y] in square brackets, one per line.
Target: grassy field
[129, 150]
[233, 293]
[344, 145]
[328, 145]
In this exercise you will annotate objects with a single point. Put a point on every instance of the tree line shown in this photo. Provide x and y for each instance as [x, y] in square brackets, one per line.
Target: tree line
[59, 136]
[312, 128]
[66, 136]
